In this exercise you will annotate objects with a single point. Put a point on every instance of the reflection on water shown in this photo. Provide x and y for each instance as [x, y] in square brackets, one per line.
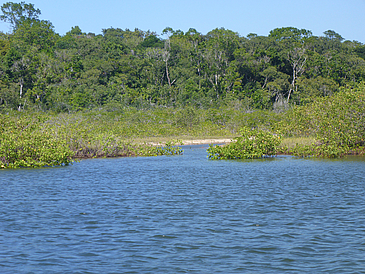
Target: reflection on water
[185, 214]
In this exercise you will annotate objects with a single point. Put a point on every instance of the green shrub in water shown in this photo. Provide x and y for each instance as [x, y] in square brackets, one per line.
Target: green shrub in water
[23, 143]
[336, 122]
[251, 144]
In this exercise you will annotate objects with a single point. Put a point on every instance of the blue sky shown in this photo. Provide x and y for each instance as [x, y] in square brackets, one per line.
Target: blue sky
[346, 17]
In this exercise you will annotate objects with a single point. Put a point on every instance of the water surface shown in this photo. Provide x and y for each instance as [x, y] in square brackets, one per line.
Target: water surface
[185, 214]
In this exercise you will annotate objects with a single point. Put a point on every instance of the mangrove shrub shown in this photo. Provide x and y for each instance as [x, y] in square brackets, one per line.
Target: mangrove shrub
[24, 143]
[336, 122]
[252, 143]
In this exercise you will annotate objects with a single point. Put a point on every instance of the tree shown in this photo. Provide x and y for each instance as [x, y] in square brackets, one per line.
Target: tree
[39, 34]
[20, 72]
[332, 35]
[17, 13]
[75, 31]
[152, 41]
[168, 31]
[297, 60]
[312, 88]
[280, 34]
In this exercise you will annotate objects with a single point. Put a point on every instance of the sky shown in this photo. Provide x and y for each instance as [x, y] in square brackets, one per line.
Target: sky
[345, 17]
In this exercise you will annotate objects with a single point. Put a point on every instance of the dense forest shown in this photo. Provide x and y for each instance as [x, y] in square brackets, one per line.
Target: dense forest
[41, 69]
[109, 95]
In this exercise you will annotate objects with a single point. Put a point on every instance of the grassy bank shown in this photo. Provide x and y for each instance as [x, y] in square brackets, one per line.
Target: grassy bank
[36, 139]
[329, 127]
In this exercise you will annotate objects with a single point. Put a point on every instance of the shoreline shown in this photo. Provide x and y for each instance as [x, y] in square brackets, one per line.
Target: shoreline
[191, 142]
[194, 142]
[176, 143]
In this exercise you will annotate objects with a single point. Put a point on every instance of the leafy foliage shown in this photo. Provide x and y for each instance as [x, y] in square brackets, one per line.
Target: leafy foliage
[24, 143]
[17, 13]
[81, 71]
[336, 122]
[39, 140]
[127, 84]
[250, 145]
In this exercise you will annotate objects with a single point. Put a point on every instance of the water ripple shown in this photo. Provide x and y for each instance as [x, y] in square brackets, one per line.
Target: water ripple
[185, 214]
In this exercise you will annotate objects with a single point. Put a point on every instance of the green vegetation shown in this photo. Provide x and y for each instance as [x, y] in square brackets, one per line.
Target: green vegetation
[329, 127]
[337, 124]
[251, 144]
[43, 70]
[39, 140]
[85, 95]
[24, 144]
[126, 132]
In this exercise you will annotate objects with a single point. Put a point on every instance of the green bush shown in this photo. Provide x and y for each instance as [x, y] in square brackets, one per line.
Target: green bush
[251, 144]
[336, 122]
[23, 143]
[40, 140]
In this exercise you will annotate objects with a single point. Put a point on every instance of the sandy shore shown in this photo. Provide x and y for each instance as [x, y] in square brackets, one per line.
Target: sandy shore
[198, 142]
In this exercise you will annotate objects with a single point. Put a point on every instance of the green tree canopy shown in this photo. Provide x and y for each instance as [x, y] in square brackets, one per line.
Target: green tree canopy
[291, 33]
[332, 35]
[17, 13]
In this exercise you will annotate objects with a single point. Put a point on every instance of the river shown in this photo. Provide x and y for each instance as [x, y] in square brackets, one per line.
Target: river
[185, 214]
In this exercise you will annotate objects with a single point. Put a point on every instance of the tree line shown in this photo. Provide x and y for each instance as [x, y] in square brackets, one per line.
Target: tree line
[41, 69]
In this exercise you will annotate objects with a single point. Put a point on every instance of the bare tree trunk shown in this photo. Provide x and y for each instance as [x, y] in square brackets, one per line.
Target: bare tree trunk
[297, 60]
[21, 89]
[167, 73]
[20, 94]
[292, 84]
[263, 86]
[166, 57]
